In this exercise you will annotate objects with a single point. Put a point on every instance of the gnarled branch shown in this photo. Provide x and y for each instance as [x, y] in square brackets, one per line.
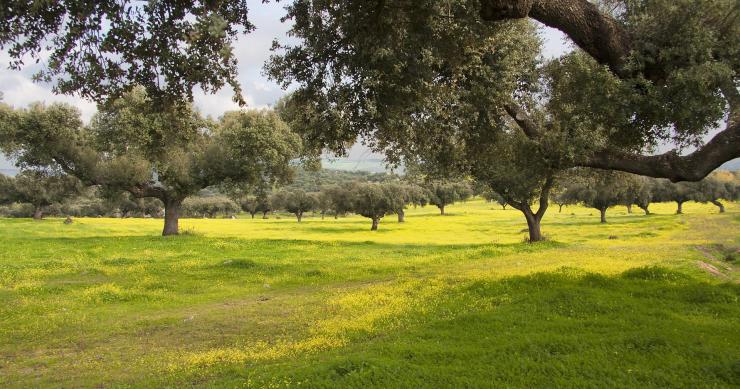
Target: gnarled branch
[693, 167]
[596, 33]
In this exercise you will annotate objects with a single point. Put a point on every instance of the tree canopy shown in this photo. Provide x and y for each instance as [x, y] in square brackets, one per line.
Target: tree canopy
[103, 49]
[416, 77]
[134, 146]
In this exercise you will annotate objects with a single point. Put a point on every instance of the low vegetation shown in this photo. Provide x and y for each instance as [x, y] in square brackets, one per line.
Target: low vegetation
[455, 300]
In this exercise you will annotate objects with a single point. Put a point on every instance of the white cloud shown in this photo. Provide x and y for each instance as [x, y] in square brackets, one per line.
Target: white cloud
[19, 91]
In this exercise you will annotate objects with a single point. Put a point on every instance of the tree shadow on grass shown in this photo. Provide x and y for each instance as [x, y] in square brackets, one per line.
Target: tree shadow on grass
[649, 327]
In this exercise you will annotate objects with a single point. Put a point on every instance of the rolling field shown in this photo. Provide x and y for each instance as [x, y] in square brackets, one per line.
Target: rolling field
[439, 301]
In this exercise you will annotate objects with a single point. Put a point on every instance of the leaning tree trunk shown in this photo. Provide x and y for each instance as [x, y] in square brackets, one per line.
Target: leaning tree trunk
[401, 215]
[533, 225]
[171, 216]
[38, 212]
[603, 214]
[534, 219]
[560, 208]
[375, 224]
[441, 209]
[629, 208]
[645, 208]
[503, 206]
[720, 205]
[679, 209]
[264, 215]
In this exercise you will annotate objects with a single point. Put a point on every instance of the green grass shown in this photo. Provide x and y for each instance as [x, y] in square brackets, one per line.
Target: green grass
[439, 301]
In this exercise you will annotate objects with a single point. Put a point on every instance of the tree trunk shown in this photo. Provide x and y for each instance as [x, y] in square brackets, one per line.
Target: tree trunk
[441, 209]
[503, 206]
[336, 215]
[629, 208]
[401, 216]
[171, 217]
[534, 219]
[533, 225]
[264, 215]
[299, 216]
[253, 213]
[322, 215]
[720, 205]
[679, 210]
[560, 208]
[375, 224]
[38, 212]
[645, 208]
[603, 214]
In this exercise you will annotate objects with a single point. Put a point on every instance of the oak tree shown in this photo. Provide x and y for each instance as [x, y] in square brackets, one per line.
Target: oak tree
[134, 146]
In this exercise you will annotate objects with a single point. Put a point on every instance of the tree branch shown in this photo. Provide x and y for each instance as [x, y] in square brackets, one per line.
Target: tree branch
[524, 121]
[598, 34]
[146, 190]
[724, 147]
[693, 167]
[602, 37]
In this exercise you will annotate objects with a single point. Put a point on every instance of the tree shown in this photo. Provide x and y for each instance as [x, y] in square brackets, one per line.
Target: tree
[519, 172]
[442, 194]
[400, 195]
[642, 193]
[297, 202]
[561, 197]
[168, 47]
[263, 204]
[602, 189]
[130, 206]
[371, 200]
[323, 203]
[491, 196]
[209, 206]
[6, 189]
[42, 189]
[249, 205]
[464, 191]
[134, 146]
[628, 88]
[340, 198]
[717, 186]
[679, 192]
[250, 200]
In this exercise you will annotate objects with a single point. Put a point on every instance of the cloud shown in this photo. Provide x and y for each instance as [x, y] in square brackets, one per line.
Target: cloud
[19, 91]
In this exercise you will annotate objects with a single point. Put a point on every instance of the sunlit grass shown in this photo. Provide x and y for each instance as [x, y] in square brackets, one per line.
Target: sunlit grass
[328, 302]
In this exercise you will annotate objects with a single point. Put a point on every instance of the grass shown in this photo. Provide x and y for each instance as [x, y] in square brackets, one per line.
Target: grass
[439, 301]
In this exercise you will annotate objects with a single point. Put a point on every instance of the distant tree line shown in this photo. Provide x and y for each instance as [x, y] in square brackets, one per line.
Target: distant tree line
[33, 194]
[313, 180]
[373, 200]
[601, 190]
[604, 189]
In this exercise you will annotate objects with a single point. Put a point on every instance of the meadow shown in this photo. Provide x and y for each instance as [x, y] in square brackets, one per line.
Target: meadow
[439, 301]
